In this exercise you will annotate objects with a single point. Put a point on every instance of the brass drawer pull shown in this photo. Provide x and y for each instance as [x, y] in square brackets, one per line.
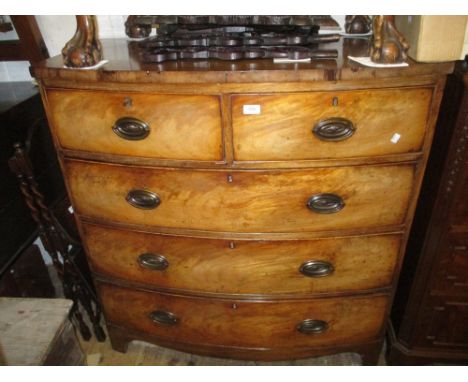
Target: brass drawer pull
[334, 129]
[146, 200]
[153, 262]
[316, 268]
[162, 317]
[325, 203]
[131, 129]
[311, 326]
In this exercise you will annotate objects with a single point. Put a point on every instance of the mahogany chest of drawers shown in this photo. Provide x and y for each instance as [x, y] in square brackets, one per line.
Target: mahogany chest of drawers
[246, 209]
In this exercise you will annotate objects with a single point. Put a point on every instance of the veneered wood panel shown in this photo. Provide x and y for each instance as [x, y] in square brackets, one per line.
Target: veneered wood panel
[124, 67]
[263, 324]
[185, 127]
[283, 129]
[254, 201]
[243, 267]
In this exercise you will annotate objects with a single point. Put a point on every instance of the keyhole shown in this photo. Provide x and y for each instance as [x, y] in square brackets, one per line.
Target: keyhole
[229, 178]
[128, 102]
[335, 101]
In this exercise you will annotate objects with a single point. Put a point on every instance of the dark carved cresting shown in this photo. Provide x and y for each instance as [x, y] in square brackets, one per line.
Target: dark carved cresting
[358, 24]
[232, 37]
[135, 29]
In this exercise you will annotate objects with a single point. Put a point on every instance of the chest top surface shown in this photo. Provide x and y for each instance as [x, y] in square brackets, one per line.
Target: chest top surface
[124, 66]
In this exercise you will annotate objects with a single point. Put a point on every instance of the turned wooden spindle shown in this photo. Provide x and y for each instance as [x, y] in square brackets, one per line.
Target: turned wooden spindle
[388, 44]
[84, 49]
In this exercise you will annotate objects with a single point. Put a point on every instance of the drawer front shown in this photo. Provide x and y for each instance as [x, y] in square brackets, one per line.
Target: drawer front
[264, 324]
[243, 201]
[243, 267]
[166, 126]
[367, 122]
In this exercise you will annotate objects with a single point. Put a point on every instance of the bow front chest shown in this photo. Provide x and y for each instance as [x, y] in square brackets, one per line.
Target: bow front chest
[249, 210]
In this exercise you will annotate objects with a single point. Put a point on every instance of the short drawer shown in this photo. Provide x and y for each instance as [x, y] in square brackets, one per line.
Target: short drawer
[159, 126]
[243, 201]
[328, 125]
[243, 267]
[240, 323]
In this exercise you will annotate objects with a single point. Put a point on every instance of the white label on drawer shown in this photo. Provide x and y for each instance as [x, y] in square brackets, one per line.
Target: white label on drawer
[252, 109]
[396, 137]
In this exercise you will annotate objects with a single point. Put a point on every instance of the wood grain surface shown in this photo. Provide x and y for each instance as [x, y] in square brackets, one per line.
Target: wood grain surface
[235, 323]
[124, 66]
[243, 267]
[255, 201]
[283, 129]
[181, 126]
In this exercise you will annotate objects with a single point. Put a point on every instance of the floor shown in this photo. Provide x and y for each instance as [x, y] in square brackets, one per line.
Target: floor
[141, 353]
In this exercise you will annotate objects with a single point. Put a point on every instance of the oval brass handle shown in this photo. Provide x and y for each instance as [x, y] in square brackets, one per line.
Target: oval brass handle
[311, 326]
[316, 268]
[143, 199]
[325, 203]
[334, 129]
[153, 262]
[131, 129]
[164, 318]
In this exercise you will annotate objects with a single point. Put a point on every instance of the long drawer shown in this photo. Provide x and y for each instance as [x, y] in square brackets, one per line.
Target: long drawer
[243, 201]
[243, 267]
[320, 125]
[261, 324]
[185, 127]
